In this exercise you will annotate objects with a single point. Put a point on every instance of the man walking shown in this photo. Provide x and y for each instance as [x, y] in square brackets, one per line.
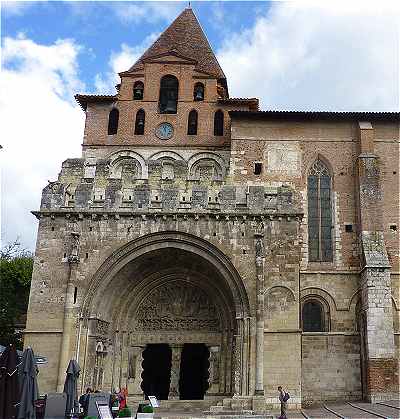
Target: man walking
[283, 398]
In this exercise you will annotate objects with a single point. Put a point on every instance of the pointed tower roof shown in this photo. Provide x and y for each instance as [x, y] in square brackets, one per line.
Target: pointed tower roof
[184, 38]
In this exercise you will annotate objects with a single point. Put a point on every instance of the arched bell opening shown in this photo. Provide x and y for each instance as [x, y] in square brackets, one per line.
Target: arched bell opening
[177, 290]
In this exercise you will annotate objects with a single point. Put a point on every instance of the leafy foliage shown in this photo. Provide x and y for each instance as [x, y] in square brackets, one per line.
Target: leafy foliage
[16, 266]
[125, 413]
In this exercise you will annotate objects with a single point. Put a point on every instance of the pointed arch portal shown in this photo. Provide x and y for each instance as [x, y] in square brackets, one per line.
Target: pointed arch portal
[168, 303]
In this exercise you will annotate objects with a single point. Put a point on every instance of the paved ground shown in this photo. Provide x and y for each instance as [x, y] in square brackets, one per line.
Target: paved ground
[385, 410]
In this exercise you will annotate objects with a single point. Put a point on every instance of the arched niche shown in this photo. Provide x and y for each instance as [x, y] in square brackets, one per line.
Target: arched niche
[118, 159]
[211, 164]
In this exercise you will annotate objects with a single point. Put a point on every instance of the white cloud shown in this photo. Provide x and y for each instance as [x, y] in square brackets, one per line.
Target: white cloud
[147, 11]
[41, 126]
[121, 61]
[318, 55]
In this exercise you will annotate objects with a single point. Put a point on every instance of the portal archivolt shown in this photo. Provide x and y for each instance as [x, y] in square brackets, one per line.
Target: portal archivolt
[177, 296]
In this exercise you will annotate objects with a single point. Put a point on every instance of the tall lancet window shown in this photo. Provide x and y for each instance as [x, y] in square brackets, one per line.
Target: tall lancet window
[219, 123]
[192, 123]
[319, 213]
[113, 121]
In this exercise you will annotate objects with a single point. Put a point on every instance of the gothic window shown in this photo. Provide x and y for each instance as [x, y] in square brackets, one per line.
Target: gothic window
[138, 88]
[198, 92]
[219, 123]
[113, 121]
[192, 123]
[168, 94]
[139, 122]
[313, 317]
[319, 213]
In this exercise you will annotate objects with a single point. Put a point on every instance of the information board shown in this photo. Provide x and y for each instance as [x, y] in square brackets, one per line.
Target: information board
[153, 401]
[104, 411]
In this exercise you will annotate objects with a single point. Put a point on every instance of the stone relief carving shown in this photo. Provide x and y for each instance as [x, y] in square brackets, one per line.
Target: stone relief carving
[75, 244]
[214, 361]
[259, 248]
[101, 328]
[284, 157]
[178, 306]
[278, 299]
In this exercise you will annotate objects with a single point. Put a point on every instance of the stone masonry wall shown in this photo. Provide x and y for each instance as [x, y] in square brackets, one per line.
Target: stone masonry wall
[330, 367]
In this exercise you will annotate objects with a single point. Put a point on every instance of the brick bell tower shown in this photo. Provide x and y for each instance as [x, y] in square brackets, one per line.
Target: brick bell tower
[175, 95]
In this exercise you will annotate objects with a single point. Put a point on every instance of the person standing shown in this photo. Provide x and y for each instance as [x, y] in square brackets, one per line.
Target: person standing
[283, 398]
[84, 401]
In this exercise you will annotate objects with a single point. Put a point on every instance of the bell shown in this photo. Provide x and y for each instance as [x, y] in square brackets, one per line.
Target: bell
[199, 95]
[171, 106]
[138, 93]
[141, 123]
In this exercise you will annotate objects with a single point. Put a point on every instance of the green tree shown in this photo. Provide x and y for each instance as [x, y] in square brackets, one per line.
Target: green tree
[16, 266]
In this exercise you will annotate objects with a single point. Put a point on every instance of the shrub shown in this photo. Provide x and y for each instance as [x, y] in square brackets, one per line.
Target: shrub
[125, 413]
[148, 409]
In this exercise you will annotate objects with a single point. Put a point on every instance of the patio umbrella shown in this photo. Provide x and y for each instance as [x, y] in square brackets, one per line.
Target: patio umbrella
[9, 389]
[70, 388]
[28, 384]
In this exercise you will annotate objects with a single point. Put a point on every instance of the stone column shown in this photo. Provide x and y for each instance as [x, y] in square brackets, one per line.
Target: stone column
[237, 363]
[135, 370]
[213, 370]
[175, 372]
[260, 257]
[69, 315]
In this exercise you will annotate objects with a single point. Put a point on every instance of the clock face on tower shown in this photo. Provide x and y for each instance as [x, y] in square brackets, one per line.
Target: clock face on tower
[165, 131]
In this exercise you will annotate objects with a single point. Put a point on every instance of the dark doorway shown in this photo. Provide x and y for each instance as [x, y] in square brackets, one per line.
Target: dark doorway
[156, 371]
[193, 381]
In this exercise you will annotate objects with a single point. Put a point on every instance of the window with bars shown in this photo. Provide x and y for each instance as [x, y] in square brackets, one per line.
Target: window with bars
[319, 213]
[313, 317]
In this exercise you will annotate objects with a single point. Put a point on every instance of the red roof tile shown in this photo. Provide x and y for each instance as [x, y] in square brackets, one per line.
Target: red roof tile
[185, 38]
[83, 100]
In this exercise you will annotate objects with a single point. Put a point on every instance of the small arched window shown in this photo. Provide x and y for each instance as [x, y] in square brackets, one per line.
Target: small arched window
[138, 88]
[313, 316]
[219, 123]
[198, 92]
[168, 94]
[139, 122]
[192, 123]
[113, 121]
[319, 213]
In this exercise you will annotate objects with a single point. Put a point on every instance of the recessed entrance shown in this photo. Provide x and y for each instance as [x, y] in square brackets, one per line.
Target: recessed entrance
[156, 371]
[193, 382]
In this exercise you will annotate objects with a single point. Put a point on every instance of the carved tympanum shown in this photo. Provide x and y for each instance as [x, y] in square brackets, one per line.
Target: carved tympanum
[177, 306]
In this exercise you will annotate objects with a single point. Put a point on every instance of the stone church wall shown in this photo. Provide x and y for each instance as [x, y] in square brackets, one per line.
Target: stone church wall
[330, 367]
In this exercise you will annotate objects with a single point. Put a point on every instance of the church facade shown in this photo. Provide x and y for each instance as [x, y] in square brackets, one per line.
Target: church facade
[202, 249]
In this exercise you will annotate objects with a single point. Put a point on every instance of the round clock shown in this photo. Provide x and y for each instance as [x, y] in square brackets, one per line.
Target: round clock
[165, 131]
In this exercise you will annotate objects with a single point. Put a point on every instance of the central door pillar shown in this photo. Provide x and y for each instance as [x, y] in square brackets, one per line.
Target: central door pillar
[135, 369]
[213, 370]
[175, 371]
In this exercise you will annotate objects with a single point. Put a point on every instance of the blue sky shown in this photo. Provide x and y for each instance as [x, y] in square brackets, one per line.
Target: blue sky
[314, 55]
[101, 28]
